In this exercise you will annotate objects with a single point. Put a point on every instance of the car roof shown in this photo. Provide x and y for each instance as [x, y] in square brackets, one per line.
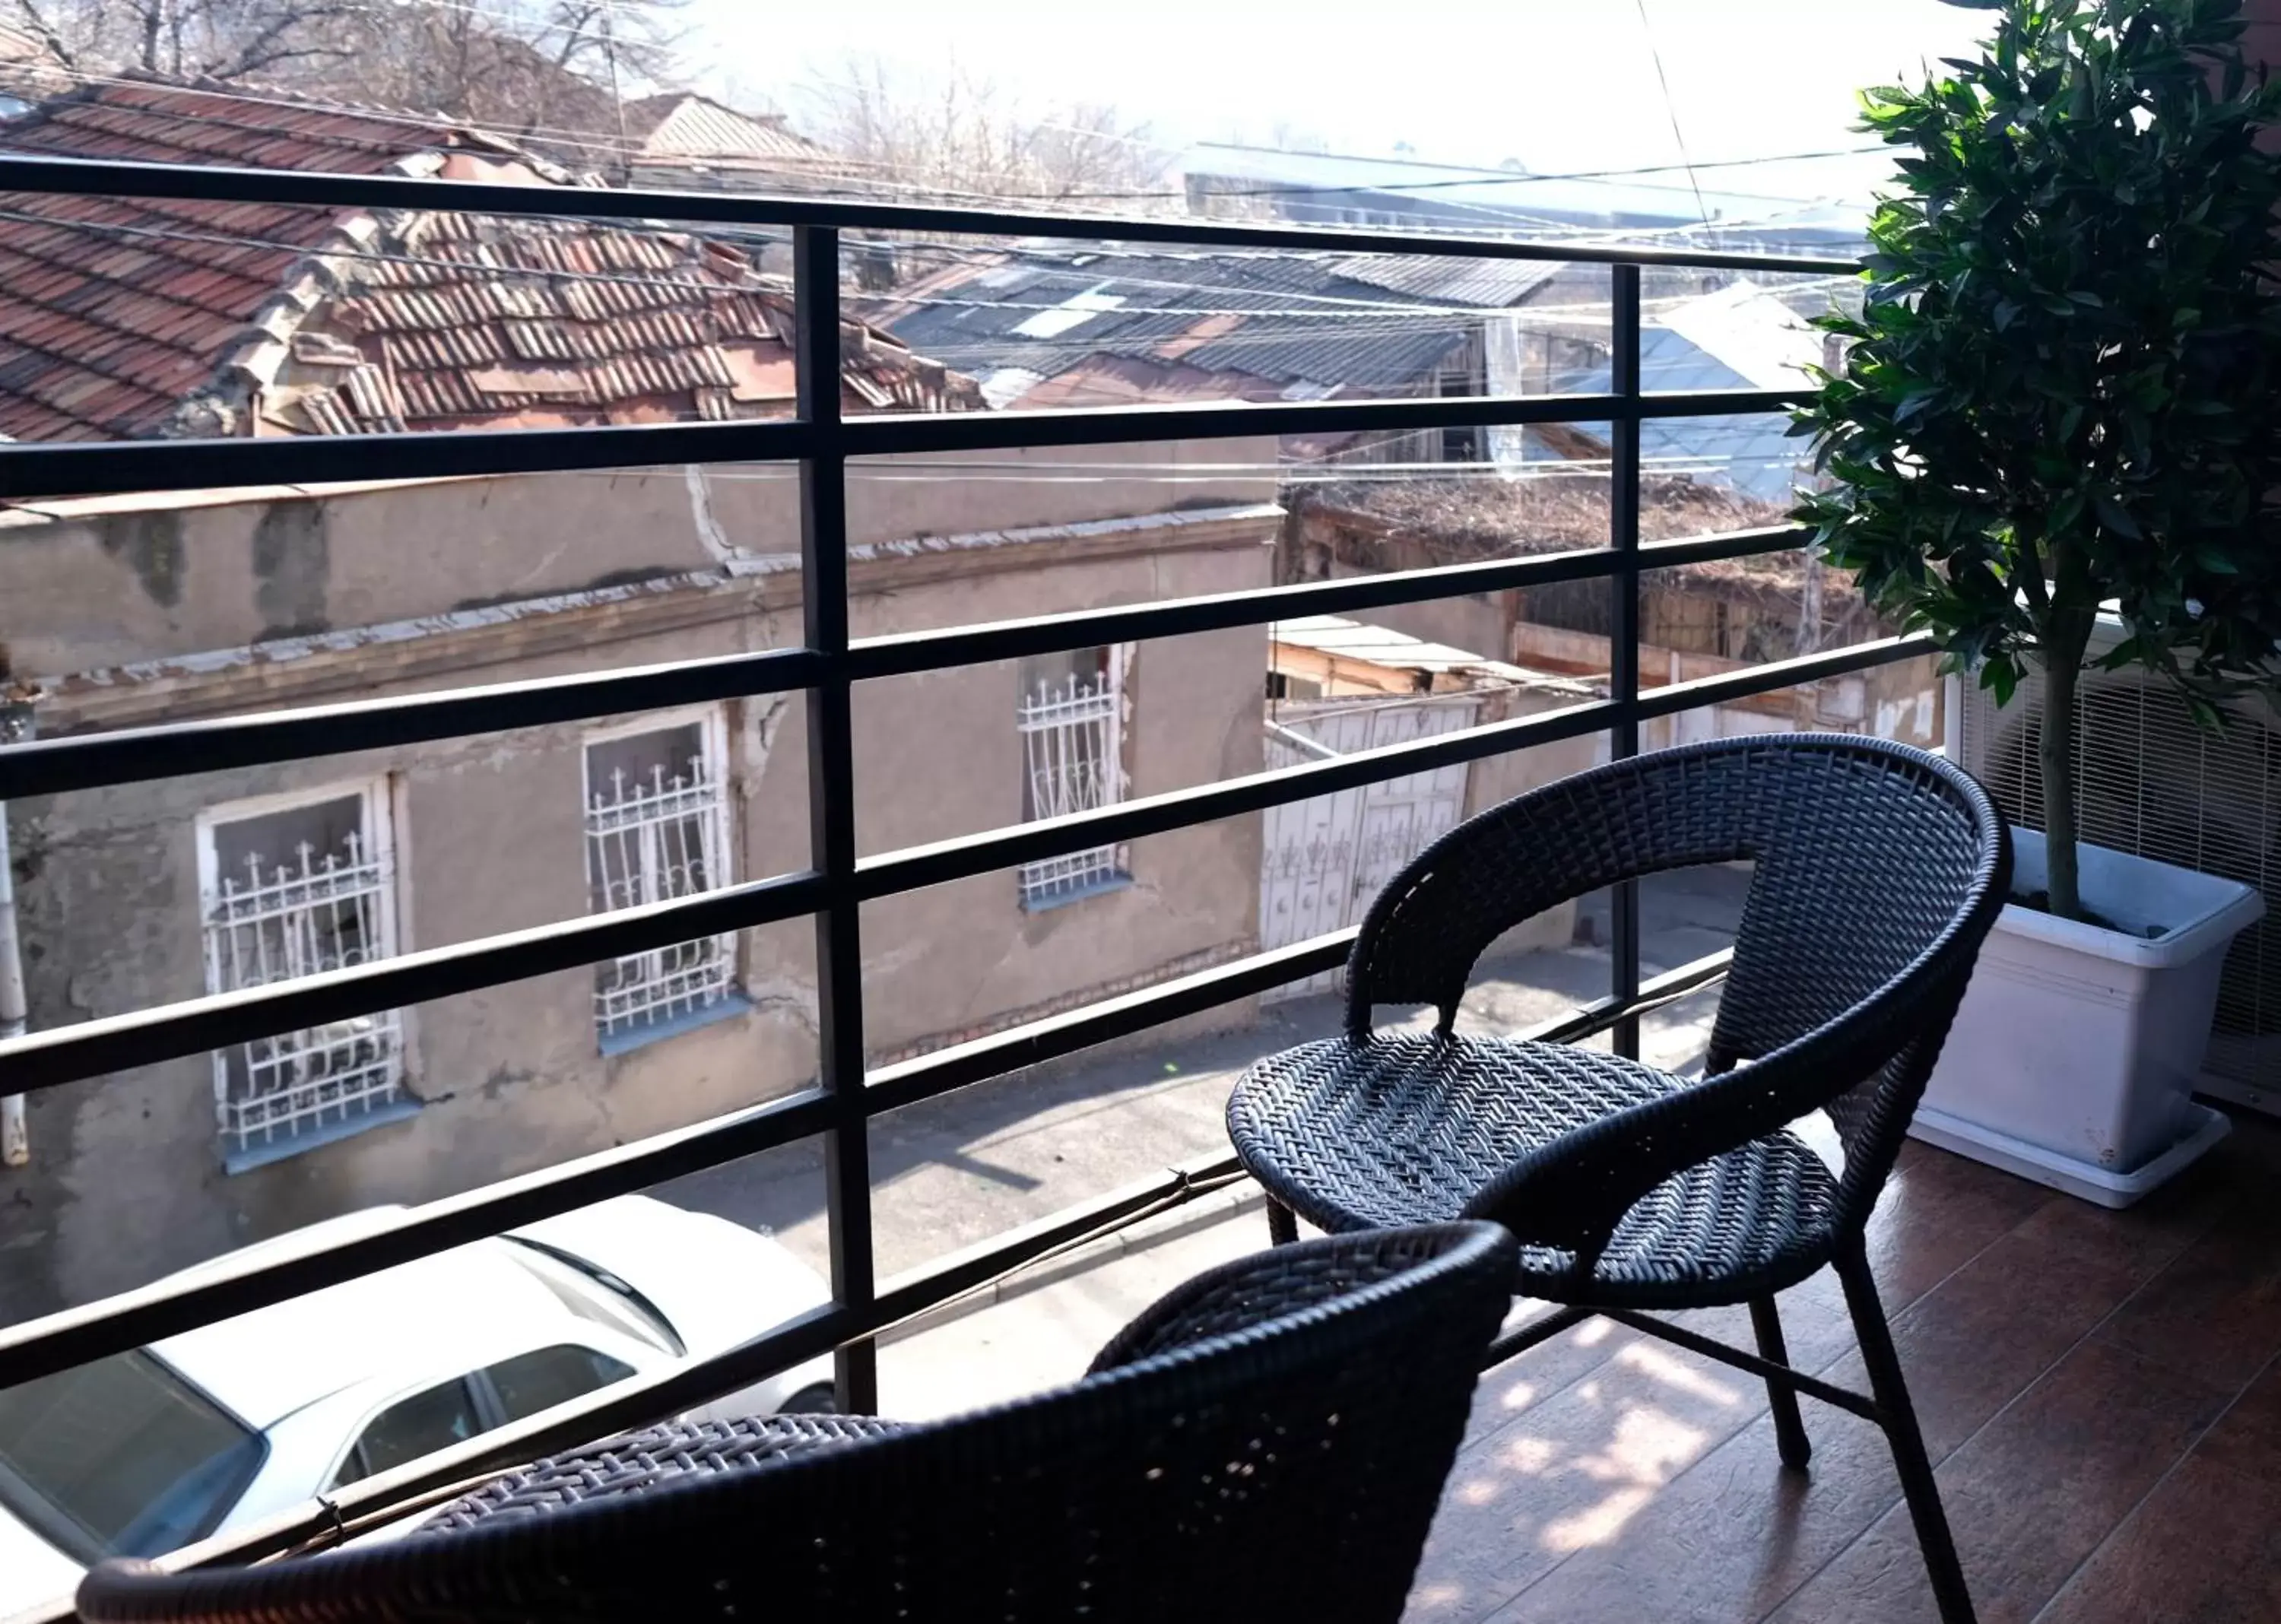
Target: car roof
[441, 1315]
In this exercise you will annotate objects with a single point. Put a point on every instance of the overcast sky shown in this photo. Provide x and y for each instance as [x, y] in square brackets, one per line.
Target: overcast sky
[1558, 84]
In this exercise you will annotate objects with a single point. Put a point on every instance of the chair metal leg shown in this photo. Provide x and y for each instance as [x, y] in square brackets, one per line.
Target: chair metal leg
[1901, 1432]
[1790, 1441]
[1282, 1227]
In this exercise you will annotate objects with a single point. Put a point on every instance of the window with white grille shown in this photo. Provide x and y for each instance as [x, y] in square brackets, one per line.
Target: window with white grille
[1072, 723]
[289, 887]
[657, 828]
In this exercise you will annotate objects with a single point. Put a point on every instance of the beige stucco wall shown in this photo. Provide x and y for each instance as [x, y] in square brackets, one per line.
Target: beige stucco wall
[106, 582]
[128, 1178]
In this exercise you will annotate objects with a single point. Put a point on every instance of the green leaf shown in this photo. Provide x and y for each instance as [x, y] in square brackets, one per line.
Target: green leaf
[2068, 341]
[2116, 517]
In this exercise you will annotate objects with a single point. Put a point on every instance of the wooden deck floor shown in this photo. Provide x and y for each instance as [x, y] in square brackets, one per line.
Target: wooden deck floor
[2100, 1391]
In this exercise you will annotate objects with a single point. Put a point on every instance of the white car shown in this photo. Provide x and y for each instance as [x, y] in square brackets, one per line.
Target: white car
[146, 1451]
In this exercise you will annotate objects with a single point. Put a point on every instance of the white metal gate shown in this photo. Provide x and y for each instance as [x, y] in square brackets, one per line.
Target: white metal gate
[1324, 860]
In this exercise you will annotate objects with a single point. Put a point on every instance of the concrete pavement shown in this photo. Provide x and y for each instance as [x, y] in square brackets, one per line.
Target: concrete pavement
[959, 1170]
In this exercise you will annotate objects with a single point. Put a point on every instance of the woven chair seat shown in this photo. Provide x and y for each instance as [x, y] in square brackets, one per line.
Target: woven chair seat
[675, 1452]
[1267, 1442]
[1397, 1129]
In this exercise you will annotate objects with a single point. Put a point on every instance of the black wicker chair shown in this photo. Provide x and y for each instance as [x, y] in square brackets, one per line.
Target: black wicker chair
[1268, 1441]
[1878, 870]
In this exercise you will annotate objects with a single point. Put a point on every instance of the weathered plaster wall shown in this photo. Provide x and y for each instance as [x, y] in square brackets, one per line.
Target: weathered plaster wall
[126, 1180]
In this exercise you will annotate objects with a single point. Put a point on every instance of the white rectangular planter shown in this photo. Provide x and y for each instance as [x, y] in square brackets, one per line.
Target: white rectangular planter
[2074, 1056]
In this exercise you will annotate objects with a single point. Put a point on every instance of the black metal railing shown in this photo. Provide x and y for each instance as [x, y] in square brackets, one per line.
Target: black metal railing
[844, 1099]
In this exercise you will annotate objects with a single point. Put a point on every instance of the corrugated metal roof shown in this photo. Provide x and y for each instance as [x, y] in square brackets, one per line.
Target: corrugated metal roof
[1346, 639]
[1332, 321]
[1751, 332]
[1492, 284]
[126, 317]
[682, 126]
[1754, 454]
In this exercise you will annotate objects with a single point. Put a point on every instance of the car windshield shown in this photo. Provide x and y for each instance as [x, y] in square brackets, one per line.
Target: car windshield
[121, 1457]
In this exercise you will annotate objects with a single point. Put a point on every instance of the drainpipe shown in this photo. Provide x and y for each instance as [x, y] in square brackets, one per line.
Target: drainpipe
[16, 726]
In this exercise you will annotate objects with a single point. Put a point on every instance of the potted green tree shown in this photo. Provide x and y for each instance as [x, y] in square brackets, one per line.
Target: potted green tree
[2052, 442]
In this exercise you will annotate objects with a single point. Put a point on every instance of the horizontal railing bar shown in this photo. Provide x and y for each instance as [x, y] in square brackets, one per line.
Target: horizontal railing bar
[62, 1055]
[963, 856]
[358, 1508]
[928, 1076]
[159, 1310]
[1590, 1020]
[141, 1036]
[29, 471]
[131, 755]
[908, 434]
[940, 1281]
[369, 1503]
[94, 177]
[58, 1341]
[905, 654]
[385, 1497]
[1682, 551]
[1673, 698]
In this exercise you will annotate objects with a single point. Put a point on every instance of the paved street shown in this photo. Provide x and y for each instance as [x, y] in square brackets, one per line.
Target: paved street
[962, 1168]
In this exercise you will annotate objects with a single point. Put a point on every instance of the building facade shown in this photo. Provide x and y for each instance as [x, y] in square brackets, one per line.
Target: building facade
[122, 613]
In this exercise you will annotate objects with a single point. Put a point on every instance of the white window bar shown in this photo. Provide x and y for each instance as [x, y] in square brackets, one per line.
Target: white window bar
[291, 892]
[1072, 753]
[657, 828]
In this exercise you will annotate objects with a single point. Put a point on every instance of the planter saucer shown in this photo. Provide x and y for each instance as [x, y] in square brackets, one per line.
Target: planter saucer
[2087, 1179]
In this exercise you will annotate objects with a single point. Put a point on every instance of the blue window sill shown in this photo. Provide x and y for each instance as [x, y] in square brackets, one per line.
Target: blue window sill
[235, 1162]
[1098, 888]
[628, 1038]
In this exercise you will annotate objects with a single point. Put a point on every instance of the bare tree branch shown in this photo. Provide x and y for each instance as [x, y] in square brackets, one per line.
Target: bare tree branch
[49, 35]
[533, 65]
[963, 137]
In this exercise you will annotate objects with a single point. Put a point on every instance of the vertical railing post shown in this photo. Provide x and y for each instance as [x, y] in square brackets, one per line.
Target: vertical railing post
[1623, 618]
[831, 800]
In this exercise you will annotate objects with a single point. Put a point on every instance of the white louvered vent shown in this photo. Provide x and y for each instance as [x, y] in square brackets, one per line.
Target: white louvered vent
[2155, 784]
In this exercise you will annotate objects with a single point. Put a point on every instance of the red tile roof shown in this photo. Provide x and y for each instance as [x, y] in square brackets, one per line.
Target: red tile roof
[125, 317]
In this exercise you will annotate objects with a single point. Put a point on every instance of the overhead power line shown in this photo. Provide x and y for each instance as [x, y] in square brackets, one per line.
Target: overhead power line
[603, 143]
[1671, 108]
[1527, 179]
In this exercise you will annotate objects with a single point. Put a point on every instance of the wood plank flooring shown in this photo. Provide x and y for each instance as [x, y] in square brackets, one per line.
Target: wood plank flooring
[2100, 1392]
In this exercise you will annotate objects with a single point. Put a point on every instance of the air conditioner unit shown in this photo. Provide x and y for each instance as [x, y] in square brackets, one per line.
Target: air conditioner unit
[2156, 784]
